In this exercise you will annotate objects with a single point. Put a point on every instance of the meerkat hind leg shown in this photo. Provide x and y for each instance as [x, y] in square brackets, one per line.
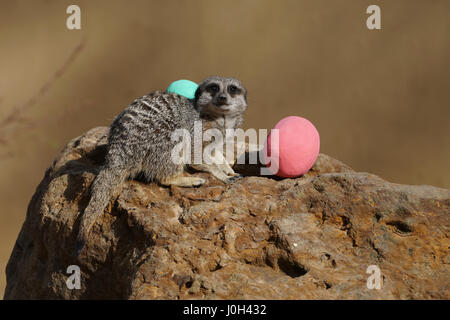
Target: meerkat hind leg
[182, 181]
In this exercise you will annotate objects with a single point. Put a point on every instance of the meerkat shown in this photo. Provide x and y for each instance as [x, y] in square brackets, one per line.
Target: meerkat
[139, 141]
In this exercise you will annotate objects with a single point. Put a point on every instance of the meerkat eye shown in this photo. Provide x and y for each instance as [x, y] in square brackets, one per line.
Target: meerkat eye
[213, 88]
[233, 89]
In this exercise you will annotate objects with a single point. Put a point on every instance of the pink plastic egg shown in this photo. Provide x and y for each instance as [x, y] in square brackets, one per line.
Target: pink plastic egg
[297, 149]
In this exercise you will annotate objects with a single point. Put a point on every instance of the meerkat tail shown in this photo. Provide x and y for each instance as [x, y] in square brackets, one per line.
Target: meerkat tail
[102, 189]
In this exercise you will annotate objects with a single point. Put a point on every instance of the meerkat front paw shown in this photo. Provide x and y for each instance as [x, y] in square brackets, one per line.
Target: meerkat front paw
[224, 177]
[222, 172]
[225, 168]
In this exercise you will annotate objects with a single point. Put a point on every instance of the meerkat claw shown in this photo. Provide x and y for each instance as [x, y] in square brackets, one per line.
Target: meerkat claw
[234, 178]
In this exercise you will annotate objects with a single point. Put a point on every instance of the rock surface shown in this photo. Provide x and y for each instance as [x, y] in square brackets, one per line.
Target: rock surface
[259, 238]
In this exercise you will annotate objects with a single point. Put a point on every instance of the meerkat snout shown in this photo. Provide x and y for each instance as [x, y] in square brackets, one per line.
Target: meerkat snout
[221, 100]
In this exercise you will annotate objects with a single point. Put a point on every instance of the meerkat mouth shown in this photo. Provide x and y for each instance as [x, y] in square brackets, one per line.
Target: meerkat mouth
[221, 105]
[224, 110]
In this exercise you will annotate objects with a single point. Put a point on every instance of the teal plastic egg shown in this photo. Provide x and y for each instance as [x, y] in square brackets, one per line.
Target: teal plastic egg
[184, 88]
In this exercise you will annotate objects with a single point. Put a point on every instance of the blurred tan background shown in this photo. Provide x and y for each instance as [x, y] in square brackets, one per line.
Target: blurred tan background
[380, 99]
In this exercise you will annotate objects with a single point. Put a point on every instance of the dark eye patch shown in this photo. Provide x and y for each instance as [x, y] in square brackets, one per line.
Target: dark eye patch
[233, 90]
[213, 88]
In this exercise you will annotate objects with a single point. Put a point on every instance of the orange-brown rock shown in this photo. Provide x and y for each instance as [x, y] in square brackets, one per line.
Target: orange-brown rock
[259, 238]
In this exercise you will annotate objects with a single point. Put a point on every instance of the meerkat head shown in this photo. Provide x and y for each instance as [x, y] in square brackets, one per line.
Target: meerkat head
[218, 96]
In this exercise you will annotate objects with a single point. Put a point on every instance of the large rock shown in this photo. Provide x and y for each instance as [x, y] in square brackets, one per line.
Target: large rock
[259, 238]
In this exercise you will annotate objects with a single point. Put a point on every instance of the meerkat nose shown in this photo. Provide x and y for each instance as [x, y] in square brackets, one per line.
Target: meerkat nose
[222, 98]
